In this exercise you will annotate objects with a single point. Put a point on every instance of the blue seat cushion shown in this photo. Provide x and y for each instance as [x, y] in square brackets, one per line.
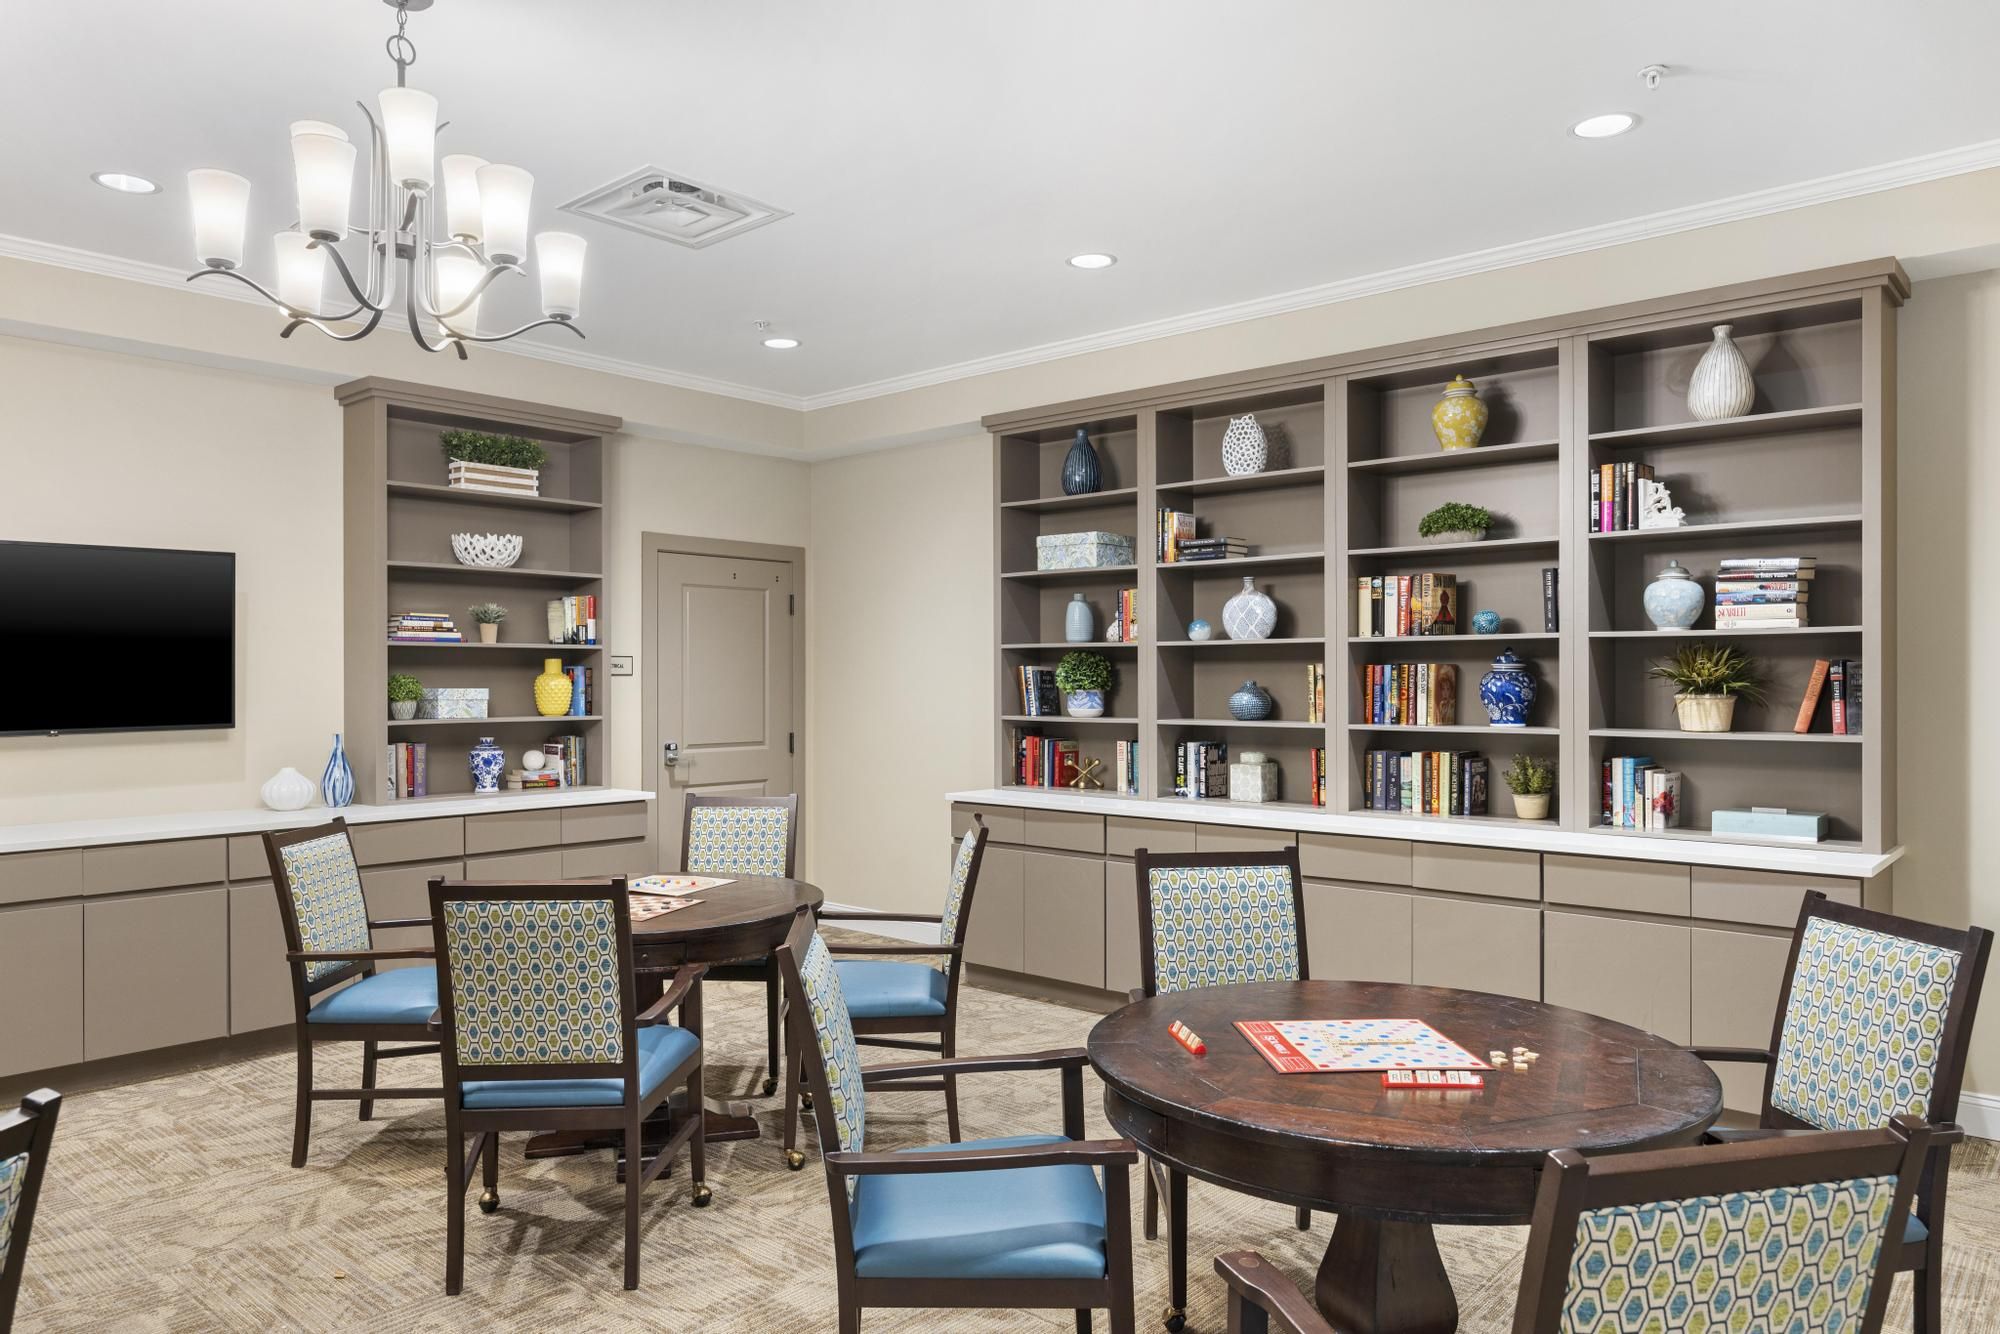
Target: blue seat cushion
[881, 989]
[1032, 1222]
[662, 1047]
[401, 996]
[1914, 1232]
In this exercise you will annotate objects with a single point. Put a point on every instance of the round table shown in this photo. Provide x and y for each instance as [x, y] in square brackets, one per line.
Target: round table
[744, 919]
[1391, 1163]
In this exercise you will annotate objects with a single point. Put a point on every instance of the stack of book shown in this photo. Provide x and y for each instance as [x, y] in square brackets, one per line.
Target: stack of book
[573, 620]
[532, 780]
[1410, 694]
[1638, 794]
[565, 756]
[423, 627]
[1201, 769]
[1839, 681]
[1618, 496]
[1211, 548]
[1316, 758]
[1170, 529]
[1425, 782]
[1405, 604]
[582, 690]
[1039, 698]
[1125, 769]
[405, 769]
[1128, 615]
[1315, 692]
[1041, 761]
[1763, 592]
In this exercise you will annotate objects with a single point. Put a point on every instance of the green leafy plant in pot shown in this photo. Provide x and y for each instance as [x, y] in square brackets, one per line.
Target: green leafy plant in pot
[482, 461]
[488, 615]
[1708, 678]
[405, 691]
[1083, 678]
[1454, 521]
[1532, 780]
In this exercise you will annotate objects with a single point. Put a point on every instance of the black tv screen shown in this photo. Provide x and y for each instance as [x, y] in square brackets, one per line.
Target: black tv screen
[116, 639]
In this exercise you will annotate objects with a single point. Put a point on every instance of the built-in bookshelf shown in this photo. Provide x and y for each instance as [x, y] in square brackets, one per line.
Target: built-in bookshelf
[1354, 466]
[400, 515]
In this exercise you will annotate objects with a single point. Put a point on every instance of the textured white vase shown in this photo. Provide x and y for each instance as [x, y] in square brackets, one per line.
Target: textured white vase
[1721, 386]
[1245, 448]
[287, 790]
[1250, 614]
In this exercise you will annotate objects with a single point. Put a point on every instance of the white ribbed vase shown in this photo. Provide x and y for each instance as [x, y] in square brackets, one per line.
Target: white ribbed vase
[1721, 386]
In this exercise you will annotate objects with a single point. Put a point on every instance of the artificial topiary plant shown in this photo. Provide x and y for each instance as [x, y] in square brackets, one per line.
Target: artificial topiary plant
[1080, 670]
[1529, 775]
[500, 451]
[404, 688]
[1454, 517]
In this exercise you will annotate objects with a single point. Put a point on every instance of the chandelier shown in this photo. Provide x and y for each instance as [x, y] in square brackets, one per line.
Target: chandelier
[485, 216]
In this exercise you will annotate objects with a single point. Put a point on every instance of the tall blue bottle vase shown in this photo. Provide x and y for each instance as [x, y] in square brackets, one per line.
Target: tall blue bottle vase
[336, 785]
[1081, 474]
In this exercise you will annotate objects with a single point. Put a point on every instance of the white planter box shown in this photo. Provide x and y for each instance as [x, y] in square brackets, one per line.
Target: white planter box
[492, 477]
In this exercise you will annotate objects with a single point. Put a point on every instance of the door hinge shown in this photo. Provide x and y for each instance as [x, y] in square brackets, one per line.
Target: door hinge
[790, 749]
[791, 604]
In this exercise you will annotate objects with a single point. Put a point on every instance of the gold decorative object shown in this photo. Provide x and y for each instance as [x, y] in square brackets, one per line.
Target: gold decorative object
[1086, 775]
[1459, 417]
[552, 689]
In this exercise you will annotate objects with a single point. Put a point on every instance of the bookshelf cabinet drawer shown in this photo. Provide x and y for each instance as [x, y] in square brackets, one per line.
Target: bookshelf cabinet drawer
[41, 974]
[1004, 824]
[1506, 873]
[260, 985]
[124, 867]
[1071, 831]
[1609, 882]
[600, 824]
[1121, 931]
[1357, 935]
[1634, 972]
[1126, 834]
[1763, 898]
[1737, 978]
[1230, 838]
[155, 971]
[247, 859]
[407, 841]
[1476, 946]
[604, 860]
[1374, 861]
[1063, 917]
[511, 830]
[55, 874]
[993, 938]
[541, 864]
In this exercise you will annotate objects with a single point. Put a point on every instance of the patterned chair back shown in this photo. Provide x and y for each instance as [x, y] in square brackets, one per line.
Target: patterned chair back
[740, 835]
[319, 896]
[535, 982]
[1875, 1019]
[1208, 920]
[1778, 1234]
[24, 1153]
[964, 874]
[820, 1023]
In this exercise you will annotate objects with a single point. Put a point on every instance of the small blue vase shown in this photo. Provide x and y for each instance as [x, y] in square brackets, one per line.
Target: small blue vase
[1081, 473]
[1485, 622]
[1508, 691]
[1251, 703]
[1673, 600]
[1079, 624]
[486, 760]
[336, 785]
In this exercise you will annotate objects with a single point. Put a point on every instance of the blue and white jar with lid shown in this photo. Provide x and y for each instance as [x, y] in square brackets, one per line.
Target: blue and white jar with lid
[1508, 691]
[486, 760]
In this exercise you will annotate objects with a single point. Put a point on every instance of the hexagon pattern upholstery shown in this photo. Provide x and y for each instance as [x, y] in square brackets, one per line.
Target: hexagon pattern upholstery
[325, 886]
[837, 1049]
[535, 981]
[13, 1180]
[1793, 1258]
[1218, 925]
[1860, 1042]
[954, 895]
[737, 840]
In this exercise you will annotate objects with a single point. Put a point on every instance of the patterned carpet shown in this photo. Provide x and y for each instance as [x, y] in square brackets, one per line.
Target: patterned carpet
[170, 1206]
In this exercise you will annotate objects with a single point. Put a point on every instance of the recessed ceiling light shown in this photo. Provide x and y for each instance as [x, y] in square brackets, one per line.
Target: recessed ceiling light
[1605, 126]
[781, 344]
[1092, 261]
[125, 182]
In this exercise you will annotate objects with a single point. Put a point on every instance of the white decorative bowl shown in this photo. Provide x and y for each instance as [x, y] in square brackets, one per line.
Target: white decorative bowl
[493, 551]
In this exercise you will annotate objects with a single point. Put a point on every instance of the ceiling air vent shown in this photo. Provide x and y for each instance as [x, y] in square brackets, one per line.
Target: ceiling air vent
[673, 208]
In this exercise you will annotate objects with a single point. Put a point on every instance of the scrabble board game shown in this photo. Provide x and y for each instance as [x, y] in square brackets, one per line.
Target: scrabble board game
[1325, 1046]
[677, 884]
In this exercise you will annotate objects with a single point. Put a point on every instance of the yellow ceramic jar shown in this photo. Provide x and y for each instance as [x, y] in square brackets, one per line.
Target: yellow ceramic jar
[552, 689]
[1459, 417]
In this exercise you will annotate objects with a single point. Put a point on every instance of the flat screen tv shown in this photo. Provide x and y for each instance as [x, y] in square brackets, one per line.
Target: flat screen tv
[116, 639]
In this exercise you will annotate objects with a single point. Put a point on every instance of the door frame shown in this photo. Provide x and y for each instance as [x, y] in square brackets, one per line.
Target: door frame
[651, 547]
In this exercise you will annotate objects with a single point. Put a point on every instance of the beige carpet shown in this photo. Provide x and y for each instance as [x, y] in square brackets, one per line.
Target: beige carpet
[170, 1206]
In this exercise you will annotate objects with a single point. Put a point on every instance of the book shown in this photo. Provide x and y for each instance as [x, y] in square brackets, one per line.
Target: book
[1551, 604]
[1597, 500]
[1173, 528]
[1836, 680]
[1853, 697]
[1809, 703]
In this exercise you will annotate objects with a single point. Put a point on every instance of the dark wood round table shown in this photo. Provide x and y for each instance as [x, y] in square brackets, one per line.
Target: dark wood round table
[745, 919]
[1391, 1163]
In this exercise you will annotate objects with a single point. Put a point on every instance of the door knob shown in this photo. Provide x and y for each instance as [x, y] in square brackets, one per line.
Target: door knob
[673, 754]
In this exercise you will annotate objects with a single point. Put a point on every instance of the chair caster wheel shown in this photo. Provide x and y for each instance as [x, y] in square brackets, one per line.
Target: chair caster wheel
[702, 1195]
[794, 1159]
[489, 1200]
[1176, 1320]
[770, 1085]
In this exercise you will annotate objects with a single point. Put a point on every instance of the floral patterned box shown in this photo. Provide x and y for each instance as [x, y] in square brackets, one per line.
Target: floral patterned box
[1082, 551]
[454, 702]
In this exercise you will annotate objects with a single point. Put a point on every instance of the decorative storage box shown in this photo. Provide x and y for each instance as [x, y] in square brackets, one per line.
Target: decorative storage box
[1082, 551]
[1770, 822]
[454, 702]
[1253, 778]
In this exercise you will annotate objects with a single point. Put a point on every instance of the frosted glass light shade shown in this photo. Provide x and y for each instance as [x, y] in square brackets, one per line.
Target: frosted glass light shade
[503, 206]
[221, 201]
[461, 196]
[409, 125]
[559, 261]
[301, 271]
[323, 163]
[456, 276]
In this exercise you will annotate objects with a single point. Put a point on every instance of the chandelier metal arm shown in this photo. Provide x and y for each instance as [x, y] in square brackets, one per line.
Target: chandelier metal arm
[355, 337]
[347, 279]
[410, 308]
[515, 333]
[248, 282]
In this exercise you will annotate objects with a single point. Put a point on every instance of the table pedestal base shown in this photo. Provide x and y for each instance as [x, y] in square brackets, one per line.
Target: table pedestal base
[1385, 1278]
[733, 1122]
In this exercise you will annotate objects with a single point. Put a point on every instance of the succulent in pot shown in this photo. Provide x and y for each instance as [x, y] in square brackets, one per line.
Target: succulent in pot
[1455, 521]
[1083, 678]
[1532, 780]
[488, 615]
[1708, 678]
[404, 693]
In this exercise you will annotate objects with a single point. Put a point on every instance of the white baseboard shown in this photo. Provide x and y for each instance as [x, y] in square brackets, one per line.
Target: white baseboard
[917, 933]
[1979, 1113]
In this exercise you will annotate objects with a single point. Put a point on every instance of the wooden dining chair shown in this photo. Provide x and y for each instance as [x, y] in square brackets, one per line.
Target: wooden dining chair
[888, 997]
[538, 1017]
[24, 1155]
[1015, 1223]
[1794, 1234]
[1210, 919]
[1874, 1022]
[745, 836]
[338, 993]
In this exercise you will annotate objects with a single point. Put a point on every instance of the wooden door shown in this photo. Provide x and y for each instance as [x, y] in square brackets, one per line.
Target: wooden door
[724, 649]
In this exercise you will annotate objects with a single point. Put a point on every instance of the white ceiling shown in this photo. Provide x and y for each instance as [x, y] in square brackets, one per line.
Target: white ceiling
[941, 159]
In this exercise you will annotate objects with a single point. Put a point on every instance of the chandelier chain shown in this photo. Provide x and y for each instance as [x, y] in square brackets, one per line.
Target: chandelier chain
[400, 48]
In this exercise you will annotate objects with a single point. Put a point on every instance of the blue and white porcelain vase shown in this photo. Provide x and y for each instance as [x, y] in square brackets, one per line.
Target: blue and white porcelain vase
[1084, 703]
[1485, 622]
[1250, 614]
[336, 784]
[1079, 626]
[486, 760]
[1082, 474]
[1508, 691]
[1199, 630]
[1673, 600]
[1251, 703]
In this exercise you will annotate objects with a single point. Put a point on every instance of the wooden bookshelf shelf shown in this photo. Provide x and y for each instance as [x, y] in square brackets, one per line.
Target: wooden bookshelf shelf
[1299, 643]
[1702, 532]
[1453, 460]
[1456, 729]
[1732, 428]
[1122, 496]
[1063, 576]
[1274, 561]
[437, 571]
[1499, 548]
[557, 722]
[459, 495]
[1064, 646]
[1705, 836]
[1675, 734]
[1467, 821]
[527, 650]
[1276, 479]
[1263, 724]
[1479, 645]
[1039, 719]
[1775, 632]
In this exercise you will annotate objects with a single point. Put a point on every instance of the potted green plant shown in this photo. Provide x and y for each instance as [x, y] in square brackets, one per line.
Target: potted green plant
[1083, 678]
[404, 693]
[483, 461]
[488, 615]
[1454, 521]
[1708, 678]
[1531, 779]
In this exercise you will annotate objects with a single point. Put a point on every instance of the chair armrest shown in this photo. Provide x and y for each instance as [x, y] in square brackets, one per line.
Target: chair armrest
[358, 956]
[932, 950]
[389, 922]
[1251, 1278]
[1070, 1058]
[677, 990]
[860, 915]
[1105, 1152]
[1754, 1055]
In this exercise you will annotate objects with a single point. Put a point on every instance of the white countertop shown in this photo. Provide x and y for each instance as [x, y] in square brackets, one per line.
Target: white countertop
[213, 824]
[1685, 848]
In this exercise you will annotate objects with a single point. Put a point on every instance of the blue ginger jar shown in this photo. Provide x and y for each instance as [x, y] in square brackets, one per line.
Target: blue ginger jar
[1251, 703]
[1485, 622]
[336, 784]
[1508, 691]
[1081, 472]
[1673, 600]
[486, 760]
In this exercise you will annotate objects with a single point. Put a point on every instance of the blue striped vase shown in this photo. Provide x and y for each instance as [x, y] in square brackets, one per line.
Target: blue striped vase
[336, 785]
